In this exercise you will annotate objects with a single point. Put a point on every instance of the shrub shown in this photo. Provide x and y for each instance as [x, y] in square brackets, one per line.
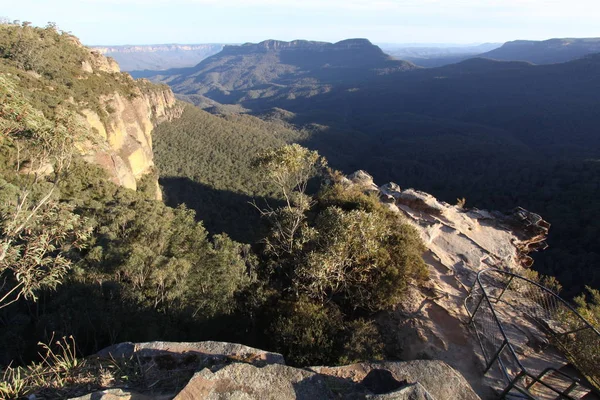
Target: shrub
[307, 333]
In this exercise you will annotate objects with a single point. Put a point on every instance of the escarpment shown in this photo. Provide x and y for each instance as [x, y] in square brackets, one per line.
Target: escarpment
[125, 134]
[125, 127]
[56, 75]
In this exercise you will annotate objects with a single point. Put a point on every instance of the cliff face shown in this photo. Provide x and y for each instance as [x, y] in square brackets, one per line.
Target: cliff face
[115, 114]
[125, 149]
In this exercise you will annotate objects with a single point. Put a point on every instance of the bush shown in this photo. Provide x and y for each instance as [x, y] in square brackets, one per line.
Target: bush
[307, 333]
[360, 259]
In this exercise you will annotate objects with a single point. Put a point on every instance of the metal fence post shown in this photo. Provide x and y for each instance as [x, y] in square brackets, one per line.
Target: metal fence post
[505, 288]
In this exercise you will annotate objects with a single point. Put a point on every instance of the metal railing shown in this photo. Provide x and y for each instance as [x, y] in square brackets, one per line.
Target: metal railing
[496, 299]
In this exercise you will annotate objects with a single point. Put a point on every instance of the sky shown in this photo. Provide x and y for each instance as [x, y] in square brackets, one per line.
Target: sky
[118, 22]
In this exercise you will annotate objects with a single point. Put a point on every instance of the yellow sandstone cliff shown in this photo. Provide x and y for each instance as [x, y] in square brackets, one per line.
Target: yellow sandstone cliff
[124, 147]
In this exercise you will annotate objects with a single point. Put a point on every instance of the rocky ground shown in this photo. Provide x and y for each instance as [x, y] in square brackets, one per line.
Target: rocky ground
[216, 370]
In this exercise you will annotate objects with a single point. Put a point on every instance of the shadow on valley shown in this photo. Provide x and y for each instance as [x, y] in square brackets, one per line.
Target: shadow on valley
[221, 211]
[101, 314]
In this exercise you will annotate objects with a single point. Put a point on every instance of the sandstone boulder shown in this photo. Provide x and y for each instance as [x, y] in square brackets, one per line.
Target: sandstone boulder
[181, 351]
[436, 378]
[244, 381]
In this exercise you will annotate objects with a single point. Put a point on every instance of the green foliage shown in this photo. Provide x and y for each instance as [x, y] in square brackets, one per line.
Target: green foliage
[147, 272]
[582, 344]
[361, 259]
[288, 168]
[335, 256]
[79, 255]
[45, 51]
[589, 306]
[351, 250]
[161, 255]
[462, 130]
[39, 255]
[61, 374]
[49, 67]
[205, 162]
[306, 332]
[37, 233]
[361, 341]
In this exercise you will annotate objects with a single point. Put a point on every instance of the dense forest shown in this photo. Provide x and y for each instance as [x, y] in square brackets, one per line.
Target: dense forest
[458, 164]
[205, 162]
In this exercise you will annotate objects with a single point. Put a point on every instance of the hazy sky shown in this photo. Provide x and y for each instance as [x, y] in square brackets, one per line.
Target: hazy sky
[234, 21]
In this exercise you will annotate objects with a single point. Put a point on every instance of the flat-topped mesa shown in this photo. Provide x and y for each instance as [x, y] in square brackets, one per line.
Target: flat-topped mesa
[358, 43]
[549, 51]
[279, 45]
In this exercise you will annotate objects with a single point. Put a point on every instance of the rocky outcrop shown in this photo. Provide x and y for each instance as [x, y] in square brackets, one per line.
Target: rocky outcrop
[244, 381]
[124, 124]
[436, 378]
[216, 370]
[431, 321]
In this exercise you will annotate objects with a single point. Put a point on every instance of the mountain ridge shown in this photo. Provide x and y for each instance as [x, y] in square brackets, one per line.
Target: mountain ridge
[278, 69]
[550, 51]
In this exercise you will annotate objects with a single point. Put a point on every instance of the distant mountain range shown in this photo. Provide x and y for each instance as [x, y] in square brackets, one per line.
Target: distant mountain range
[159, 57]
[436, 55]
[169, 56]
[546, 51]
[279, 70]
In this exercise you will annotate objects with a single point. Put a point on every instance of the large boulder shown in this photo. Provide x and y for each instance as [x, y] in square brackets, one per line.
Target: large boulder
[185, 350]
[436, 379]
[245, 381]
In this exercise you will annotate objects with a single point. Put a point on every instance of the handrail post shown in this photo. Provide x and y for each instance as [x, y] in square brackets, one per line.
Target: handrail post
[505, 288]
[504, 343]
[512, 384]
[475, 311]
